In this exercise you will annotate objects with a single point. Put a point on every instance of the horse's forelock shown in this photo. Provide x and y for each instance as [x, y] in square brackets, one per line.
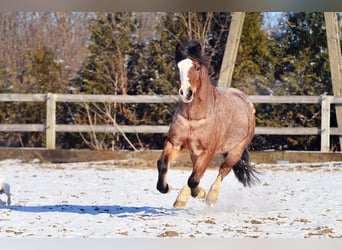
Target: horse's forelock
[191, 49]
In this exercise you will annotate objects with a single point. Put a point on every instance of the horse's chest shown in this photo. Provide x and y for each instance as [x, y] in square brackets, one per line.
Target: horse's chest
[195, 143]
[192, 135]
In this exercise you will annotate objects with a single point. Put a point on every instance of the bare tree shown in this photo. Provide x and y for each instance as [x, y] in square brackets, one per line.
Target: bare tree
[26, 36]
[65, 34]
[210, 28]
[147, 25]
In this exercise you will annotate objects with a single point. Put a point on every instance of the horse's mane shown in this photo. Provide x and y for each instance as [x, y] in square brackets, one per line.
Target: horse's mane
[190, 49]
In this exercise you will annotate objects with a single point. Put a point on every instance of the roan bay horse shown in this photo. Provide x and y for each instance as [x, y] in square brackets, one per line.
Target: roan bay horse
[208, 121]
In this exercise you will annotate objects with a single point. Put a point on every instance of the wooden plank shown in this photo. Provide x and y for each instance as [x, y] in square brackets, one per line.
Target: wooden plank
[152, 99]
[22, 128]
[153, 129]
[325, 123]
[285, 99]
[286, 131]
[231, 50]
[336, 100]
[117, 98]
[335, 131]
[22, 97]
[175, 99]
[164, 129]
[112, 129]
[51, 121]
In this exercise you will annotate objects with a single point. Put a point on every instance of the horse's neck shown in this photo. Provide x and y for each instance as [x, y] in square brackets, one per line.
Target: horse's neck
[200, 107]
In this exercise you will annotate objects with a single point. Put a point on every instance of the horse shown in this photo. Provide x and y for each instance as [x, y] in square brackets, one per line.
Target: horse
[208, 120]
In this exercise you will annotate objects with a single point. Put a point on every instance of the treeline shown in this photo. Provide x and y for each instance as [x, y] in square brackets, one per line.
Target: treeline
[132, 53]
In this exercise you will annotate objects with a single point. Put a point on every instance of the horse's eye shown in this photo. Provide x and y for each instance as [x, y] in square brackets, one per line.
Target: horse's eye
[198, 68]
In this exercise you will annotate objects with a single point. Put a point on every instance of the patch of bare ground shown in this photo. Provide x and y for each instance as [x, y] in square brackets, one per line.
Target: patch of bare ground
[168, 234]
[322, 231]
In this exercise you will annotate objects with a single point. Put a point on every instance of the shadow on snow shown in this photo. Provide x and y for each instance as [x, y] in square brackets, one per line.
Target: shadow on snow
[120, 211]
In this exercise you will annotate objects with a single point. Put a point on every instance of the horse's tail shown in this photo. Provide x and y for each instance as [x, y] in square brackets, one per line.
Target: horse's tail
[245, 172]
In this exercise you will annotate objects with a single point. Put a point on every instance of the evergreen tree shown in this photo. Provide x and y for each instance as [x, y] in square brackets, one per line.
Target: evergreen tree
[301, 69]
[39, 74]
[105, 69]
[105, 72]
[253, 67]
[304, 68]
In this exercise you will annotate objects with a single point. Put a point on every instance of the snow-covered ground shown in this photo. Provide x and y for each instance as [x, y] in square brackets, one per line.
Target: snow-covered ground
[104, 200]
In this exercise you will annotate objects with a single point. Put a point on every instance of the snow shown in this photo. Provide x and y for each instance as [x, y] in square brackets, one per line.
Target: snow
[103, 199]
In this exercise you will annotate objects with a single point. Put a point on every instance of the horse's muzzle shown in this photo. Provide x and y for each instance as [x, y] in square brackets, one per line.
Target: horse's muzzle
[186, 94]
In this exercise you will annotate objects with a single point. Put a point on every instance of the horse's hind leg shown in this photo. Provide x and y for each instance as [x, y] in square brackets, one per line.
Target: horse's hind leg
[169, 153]
[232, 158]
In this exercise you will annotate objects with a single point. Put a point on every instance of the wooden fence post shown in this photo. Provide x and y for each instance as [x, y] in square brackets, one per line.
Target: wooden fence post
[231, 50]
[50, 121]
[325, 123]
[335, 61]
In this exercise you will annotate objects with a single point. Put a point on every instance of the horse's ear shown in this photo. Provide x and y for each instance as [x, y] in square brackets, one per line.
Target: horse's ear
[179, 47]
[179, 53]
[195, 49]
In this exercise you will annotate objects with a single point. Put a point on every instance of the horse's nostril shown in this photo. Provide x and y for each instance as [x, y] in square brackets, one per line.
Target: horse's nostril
[186, 93]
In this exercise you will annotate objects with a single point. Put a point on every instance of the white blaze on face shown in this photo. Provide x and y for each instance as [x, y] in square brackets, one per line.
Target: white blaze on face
[184, 66]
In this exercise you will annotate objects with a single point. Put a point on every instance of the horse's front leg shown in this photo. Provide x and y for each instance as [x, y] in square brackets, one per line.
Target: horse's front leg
[192, 188]
[168, 155]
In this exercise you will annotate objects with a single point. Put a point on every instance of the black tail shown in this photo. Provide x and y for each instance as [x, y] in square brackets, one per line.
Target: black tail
[245, 173]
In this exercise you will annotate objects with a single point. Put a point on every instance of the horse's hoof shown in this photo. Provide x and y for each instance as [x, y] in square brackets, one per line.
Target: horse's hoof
[198, 193]
[165, 189]
[201, 194]
[179, 204]
[212, 198]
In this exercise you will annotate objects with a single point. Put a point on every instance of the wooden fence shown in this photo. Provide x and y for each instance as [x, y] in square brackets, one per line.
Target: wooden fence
[51, 128]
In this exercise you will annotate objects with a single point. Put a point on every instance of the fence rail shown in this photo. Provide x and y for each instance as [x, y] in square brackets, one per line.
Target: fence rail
[51, 128]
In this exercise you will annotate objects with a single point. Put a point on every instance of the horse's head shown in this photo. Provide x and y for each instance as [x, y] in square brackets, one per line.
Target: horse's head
[189, 62]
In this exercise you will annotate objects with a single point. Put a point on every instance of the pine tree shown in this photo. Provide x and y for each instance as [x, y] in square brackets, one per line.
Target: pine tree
[105, 72]
[39, 74]
[105, 69]
[253, 67]
[301, 69]
[304, 69]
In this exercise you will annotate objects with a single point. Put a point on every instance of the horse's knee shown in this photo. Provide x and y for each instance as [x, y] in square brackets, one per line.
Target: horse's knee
[162, 166]
[162, 186]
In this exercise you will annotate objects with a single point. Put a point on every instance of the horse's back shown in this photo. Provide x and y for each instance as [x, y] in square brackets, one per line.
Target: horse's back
[240, 115]
[234, 93]
[237, 100]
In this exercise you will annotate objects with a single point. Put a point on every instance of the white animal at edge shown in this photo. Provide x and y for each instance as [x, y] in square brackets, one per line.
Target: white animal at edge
[5, 189]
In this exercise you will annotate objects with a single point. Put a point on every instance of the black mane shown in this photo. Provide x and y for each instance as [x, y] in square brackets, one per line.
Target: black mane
[190, 49]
